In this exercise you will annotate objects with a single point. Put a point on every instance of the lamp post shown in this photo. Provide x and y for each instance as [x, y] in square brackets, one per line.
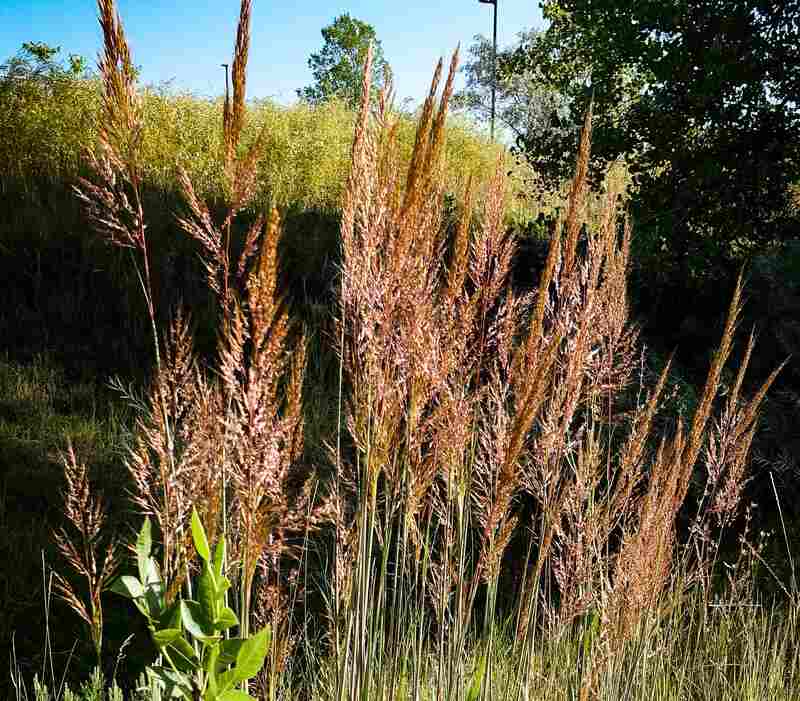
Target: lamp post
[494, 59]
[225, 66]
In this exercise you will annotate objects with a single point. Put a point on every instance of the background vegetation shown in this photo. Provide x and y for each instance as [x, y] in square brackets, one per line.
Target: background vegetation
[76, 316]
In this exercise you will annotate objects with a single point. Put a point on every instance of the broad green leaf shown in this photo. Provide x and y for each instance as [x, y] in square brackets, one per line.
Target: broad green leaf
[170, 617]
[183, 655]
[228, 651]
[226, 680]
[199, 537]
[226, 619]
[127, 586]
[195, 621]
[164, 637]
[250, 658]
[234, 695]
[144, 608]
[222, 584]
[207, 595]
[211, 656]
[175, 683]
[144, 546]
[154, 597]
[149, 572]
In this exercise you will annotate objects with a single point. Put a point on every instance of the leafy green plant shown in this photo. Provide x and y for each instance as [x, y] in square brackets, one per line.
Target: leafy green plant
[191, 636]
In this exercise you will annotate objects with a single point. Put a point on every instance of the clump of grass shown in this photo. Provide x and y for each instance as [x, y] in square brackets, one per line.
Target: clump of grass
[41, 407]
[462, 399]
[227, 445]
[470, 416]
[86, 554]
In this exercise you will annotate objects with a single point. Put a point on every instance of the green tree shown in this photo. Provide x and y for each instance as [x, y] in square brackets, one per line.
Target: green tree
[338, 66]
[701, 97]
[36, 62]
[526, 108]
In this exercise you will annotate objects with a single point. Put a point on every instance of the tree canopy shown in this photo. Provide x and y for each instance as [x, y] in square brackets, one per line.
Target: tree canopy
[337, 67]
[526, 109]
[700, 97]
[38, 62]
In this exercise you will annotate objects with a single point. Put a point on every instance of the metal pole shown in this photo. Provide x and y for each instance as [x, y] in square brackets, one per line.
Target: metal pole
[494, 58]
[225, 66]
[494, 65]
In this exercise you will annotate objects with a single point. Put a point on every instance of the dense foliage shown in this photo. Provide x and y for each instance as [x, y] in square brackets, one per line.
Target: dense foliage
[303, 162]
[700, 98]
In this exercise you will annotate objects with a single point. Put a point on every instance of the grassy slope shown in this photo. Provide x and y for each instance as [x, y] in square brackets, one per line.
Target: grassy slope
[304, 162]
[303, 166]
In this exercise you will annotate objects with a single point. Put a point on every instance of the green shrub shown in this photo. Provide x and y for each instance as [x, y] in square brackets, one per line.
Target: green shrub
[305, 159]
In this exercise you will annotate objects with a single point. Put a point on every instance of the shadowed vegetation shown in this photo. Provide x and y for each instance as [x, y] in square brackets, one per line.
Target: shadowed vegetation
[436, 485]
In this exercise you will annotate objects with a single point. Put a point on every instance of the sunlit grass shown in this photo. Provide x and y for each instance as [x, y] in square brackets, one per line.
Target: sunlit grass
[304, 162]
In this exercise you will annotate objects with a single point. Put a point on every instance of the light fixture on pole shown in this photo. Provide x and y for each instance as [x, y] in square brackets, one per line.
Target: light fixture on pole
[494, 59]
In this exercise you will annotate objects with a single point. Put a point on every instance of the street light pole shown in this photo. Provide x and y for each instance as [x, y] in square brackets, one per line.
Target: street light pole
[493, 3]
[225, 66]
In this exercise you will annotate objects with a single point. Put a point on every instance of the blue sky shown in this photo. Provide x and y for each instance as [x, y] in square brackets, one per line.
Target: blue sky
[185, 41]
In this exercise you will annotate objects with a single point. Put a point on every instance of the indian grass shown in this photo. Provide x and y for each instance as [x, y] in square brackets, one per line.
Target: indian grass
[227, 445]
[460, 402]
[747, 652]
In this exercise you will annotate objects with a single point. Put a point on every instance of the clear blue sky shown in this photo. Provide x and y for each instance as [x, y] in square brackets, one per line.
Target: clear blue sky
[185, 41]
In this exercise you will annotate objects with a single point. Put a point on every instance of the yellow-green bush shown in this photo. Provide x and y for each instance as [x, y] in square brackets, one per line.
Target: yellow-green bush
[45, 129]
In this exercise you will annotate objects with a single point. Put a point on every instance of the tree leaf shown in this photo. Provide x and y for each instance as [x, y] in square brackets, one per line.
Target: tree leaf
[338, 66]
